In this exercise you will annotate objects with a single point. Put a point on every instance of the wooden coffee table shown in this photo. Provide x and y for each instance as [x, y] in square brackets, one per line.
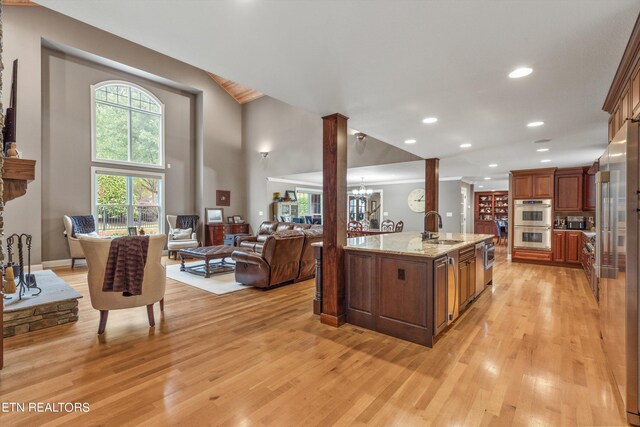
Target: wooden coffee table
[208, 254]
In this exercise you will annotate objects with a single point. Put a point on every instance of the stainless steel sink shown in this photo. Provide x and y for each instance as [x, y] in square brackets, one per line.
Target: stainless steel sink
[443, 242]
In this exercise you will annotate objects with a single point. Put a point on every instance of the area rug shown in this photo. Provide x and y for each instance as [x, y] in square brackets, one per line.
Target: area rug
[218, 284]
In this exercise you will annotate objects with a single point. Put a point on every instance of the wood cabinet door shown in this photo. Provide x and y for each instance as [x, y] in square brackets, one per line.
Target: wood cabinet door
[558, 246]
[573, 247]
[463, 284]
[472, 279]
[440, 282]
[402, 293]
[360, 289]
[542, 186]
[569, 192]
[589, 193]
[522, 187]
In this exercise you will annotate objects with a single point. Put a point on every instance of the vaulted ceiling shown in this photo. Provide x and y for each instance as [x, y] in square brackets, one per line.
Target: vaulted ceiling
[237, 91]
[389, 64]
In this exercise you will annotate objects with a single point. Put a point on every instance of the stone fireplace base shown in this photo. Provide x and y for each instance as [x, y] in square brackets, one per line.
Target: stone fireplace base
[56, 305]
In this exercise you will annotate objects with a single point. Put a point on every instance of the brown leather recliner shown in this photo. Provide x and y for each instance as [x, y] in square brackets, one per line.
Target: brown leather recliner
[266, 229]
[307, 259]
[278, 263]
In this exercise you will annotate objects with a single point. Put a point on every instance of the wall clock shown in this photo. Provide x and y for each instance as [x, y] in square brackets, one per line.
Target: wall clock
[416, 200]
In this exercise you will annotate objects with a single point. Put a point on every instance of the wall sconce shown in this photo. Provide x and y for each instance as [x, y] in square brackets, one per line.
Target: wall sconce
[264, 154]
[360, 136]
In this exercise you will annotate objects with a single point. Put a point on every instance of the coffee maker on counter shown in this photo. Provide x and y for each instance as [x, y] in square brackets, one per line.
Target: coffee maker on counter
[576, 223]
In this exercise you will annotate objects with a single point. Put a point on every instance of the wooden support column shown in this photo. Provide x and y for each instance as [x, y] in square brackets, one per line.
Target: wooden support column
[431, 185]
[334, 217]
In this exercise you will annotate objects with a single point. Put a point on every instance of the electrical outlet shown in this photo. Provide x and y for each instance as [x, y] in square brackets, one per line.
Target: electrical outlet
[449, 214]
[260, 213]
[450, 316]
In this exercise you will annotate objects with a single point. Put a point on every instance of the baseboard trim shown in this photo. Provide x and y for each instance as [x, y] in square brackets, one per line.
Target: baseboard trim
[62, 263]
[335, 321]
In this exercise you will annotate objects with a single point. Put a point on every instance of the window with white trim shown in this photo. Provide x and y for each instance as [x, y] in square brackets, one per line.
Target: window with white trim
[127, 125]
[124, 198]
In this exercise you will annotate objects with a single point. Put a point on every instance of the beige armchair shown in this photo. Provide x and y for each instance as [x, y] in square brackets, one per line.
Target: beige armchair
[176, 242]
[153, 285]
[75, 250]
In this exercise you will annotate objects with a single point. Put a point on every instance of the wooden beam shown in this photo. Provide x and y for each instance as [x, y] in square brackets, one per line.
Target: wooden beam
[334, 217]
[431, 185]
[19, 3]
[241, 94]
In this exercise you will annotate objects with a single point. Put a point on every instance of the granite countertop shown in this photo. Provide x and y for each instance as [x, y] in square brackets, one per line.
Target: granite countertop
[410, 243]
[585, 232]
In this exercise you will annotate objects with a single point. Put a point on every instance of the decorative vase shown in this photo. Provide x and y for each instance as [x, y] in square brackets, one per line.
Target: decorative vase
[12, 152]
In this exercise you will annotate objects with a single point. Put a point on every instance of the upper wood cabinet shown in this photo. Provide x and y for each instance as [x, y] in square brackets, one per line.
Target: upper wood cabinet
[589, 192]
[543, 186]
[533, 183]
[522, 186]
[568, 195]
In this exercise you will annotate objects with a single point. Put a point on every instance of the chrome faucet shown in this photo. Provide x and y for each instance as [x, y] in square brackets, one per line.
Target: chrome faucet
[428, 235]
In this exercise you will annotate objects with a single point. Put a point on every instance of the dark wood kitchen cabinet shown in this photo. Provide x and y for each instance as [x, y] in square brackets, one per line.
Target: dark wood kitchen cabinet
[589, 192]
[533, 183]
[466, 277]
[568, 189]
[522, 186]
[391, 294]
[558, 246]
[573, 247]
[567, 246]
[441, 300]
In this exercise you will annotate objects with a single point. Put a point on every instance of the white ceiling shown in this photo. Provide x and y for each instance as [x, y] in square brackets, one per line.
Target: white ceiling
[388, 64]
[394, 173]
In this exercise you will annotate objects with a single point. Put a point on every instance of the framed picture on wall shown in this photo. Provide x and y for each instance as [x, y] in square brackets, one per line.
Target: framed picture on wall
[238, 219]
[229, 220]
[133, 231]
[223, 198]
[291, 195]
[214, 215]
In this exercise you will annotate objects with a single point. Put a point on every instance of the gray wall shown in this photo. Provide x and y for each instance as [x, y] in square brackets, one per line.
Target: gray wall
[66, 130]
[217, 151]
[395, 203]
[293, 138]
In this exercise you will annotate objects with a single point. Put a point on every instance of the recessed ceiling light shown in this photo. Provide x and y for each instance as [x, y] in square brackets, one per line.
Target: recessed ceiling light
[493, 165]
[542, 150]
[487, 178]
[430, 120]
[520, 72]
[480, 186]
[465, 145]
[535, 124]
[545, 161]
[409, 141]
[541, 141]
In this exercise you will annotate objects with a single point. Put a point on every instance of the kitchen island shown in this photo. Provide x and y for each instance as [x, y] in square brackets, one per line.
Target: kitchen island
[399, 285]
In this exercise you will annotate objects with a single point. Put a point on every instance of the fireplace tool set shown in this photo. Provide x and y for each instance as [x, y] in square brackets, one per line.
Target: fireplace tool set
[23, 282]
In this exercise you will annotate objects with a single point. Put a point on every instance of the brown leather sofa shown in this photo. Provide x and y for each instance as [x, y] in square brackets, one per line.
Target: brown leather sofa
[286, 256]
[279, 261]
[266, 229]
[307, 259]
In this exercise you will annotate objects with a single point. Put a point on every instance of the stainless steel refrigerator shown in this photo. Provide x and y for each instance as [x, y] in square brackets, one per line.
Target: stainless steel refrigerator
[617, 263]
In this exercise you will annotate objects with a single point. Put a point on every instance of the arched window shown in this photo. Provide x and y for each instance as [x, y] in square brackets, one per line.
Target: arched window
[127, 125]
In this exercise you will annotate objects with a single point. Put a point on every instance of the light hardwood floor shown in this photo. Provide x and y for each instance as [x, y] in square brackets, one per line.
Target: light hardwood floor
[526, 353]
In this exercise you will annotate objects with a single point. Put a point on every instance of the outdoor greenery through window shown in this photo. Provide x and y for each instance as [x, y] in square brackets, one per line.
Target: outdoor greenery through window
[309, 203]
[128, 125]
[123, 201]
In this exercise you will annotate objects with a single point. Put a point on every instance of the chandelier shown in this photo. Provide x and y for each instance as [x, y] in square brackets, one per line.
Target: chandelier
[362, 192]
